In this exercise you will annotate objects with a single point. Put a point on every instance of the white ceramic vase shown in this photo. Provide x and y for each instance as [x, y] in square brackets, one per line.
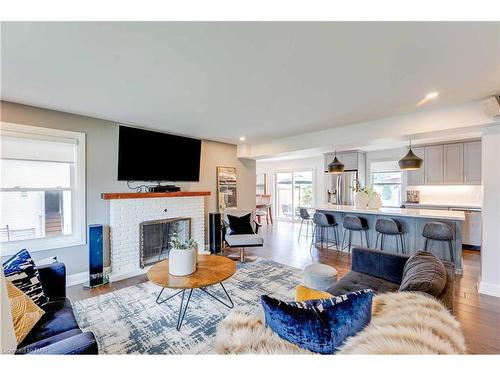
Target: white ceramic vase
[361, 199]
[375, 201]
[182, 262]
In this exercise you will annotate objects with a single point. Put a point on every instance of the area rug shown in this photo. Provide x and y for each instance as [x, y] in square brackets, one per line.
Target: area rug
[129, 321]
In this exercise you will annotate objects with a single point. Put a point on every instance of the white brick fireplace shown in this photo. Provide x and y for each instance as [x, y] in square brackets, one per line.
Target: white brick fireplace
[126, 214]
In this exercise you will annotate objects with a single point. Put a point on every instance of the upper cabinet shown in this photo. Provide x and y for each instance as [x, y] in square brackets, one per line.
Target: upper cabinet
[472, 163]
[448, 164]
[453, 163]
[417, 177]
[434, 165]
[353, 161]
[350, 160]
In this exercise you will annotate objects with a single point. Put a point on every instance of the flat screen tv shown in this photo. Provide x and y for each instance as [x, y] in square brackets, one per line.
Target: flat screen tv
[145, 155]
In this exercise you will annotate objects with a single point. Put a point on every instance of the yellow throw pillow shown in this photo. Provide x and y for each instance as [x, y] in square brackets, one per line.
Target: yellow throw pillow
[303, 293]
[25, 313]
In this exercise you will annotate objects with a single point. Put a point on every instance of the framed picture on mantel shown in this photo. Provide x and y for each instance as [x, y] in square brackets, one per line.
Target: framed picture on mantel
[227, 188]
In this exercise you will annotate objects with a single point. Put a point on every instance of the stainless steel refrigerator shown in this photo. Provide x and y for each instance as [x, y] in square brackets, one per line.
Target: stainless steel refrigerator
[339, 187]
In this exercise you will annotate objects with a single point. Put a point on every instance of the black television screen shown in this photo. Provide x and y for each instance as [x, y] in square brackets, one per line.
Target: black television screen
[145, 155]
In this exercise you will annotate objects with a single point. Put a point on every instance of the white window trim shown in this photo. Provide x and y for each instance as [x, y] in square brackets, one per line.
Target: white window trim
[79, 235]
[382, 184]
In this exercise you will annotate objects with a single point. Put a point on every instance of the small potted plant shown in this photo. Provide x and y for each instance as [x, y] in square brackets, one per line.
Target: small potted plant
[182, 257]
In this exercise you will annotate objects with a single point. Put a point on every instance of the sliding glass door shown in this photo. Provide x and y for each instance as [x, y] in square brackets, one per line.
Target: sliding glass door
[293, 190]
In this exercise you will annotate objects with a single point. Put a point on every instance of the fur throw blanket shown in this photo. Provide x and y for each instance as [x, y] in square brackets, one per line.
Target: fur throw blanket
[402, 323]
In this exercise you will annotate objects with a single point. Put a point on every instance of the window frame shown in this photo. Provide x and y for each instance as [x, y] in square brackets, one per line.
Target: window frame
[388, 184]
[78, 198]
[274, 183]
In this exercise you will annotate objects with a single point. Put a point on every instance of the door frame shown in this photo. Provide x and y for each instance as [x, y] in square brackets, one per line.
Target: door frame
[275, 189]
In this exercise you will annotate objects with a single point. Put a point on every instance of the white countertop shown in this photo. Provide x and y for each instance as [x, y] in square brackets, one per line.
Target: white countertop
[438, 205]
[408, 212]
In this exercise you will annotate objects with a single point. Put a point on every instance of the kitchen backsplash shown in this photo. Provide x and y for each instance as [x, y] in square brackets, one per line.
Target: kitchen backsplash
[458, 194]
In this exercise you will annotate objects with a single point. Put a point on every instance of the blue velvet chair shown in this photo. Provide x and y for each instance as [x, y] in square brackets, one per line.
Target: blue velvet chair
[57, 331]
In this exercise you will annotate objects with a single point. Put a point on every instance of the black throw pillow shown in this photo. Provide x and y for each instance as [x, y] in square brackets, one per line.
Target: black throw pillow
[240, 225]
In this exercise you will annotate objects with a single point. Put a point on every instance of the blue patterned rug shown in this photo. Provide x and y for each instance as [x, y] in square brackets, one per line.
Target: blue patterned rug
[129, 321]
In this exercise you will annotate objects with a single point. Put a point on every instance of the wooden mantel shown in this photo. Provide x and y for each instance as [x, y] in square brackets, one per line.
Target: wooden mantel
[154, 195]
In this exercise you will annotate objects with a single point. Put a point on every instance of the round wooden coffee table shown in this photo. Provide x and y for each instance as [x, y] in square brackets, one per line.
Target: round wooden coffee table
[210, 270]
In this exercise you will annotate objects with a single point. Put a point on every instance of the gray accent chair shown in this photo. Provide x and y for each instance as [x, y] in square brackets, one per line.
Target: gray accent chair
[439, 231]
[354, 224]
[389, 227]
[322, 223]
[241, 241]
[305, 217]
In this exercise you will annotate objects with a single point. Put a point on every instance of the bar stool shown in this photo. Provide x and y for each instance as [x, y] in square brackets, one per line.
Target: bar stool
[304, 215]
[438, 231]
[389, 227]
[356, 224]
[322, 223]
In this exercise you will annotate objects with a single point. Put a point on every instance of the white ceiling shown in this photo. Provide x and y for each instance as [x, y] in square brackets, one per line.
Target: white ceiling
[222, 80]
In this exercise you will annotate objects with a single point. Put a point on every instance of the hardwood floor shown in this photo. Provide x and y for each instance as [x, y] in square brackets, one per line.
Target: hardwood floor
[478, 314]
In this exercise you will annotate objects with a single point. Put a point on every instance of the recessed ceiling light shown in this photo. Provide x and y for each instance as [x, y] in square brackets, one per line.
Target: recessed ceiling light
[242, 139]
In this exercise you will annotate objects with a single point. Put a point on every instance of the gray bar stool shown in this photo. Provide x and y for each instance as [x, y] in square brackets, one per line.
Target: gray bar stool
[356, 224]
[322, 222]
[439, 231]
[389, 227]
[304, 215]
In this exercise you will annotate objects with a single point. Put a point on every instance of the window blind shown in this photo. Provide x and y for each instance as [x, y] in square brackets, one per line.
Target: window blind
[21, 147]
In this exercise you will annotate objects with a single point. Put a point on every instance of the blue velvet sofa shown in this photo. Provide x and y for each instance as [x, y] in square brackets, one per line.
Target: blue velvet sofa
[57, 331]
[383, 273]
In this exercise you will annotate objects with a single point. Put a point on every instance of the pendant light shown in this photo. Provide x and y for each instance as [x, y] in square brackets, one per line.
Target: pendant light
[410, 162]
[335, 167]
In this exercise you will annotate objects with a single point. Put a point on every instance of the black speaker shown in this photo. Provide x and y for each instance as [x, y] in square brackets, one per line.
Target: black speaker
[215, 232]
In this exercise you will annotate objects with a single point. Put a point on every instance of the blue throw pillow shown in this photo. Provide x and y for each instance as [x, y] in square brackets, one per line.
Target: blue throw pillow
[22, 272]
[322, 325]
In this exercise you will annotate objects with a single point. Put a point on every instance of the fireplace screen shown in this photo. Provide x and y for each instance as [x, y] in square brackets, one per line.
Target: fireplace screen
[155, 238]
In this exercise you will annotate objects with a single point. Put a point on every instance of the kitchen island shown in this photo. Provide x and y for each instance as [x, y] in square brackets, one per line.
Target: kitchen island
[412, 221]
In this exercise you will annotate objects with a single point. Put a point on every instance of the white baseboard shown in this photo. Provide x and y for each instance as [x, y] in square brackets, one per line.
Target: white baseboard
[116, 276]
[77, 278]
[489, 289]
[83, 277]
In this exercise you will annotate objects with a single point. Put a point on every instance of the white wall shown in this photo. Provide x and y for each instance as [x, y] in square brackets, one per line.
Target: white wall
[101, 170]
[462, 195]
[317, 164]
[490, 244]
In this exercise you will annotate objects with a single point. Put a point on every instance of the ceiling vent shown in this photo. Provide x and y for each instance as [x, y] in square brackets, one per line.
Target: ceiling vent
[491, 106]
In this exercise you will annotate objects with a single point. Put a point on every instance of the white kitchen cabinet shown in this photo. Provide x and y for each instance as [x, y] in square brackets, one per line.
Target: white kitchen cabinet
[434, 166]
[472, 163]
[350, 160]
[453, 158]
[416, 178]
